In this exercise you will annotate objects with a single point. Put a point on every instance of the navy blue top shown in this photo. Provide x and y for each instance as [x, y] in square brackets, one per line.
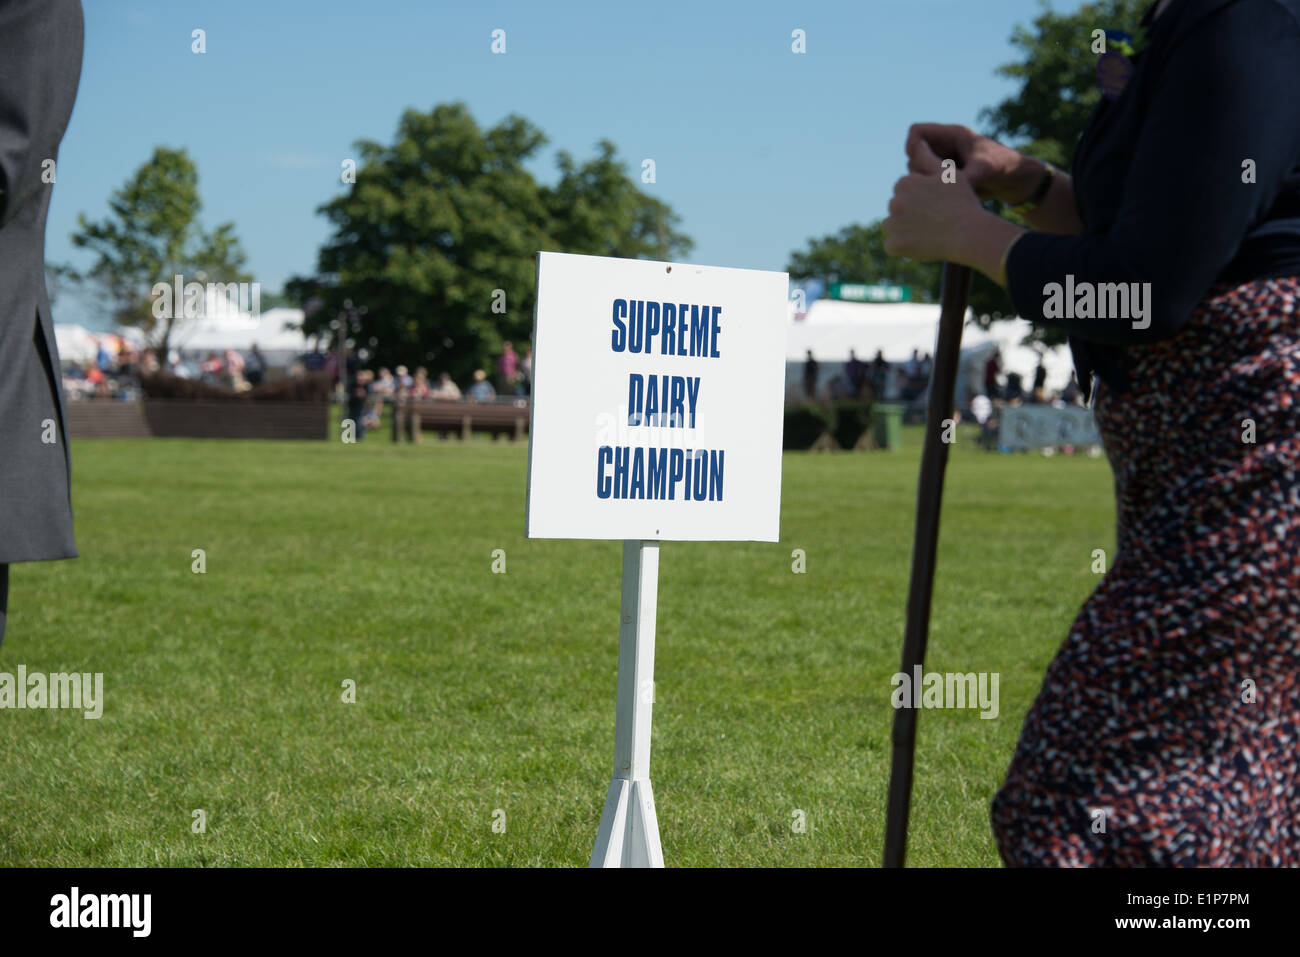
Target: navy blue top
[1158, 177]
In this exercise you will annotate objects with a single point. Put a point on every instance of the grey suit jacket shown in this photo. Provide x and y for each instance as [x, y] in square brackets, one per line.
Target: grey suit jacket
[40, 67]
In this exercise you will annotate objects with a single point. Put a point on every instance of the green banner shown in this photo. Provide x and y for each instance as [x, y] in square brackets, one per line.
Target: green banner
[869, 292]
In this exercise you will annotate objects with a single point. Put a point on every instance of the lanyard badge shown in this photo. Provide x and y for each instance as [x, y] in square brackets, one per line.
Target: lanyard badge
[1115, 65]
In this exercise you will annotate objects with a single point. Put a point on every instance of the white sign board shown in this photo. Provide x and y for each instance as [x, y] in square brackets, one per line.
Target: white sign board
[1039, 426]
[658, 401]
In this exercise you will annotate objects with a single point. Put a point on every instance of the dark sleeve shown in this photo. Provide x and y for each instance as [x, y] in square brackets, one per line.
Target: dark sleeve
[1226, 94]
[38, 61]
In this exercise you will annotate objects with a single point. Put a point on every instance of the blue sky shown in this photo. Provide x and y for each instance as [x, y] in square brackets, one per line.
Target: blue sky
[756, 147]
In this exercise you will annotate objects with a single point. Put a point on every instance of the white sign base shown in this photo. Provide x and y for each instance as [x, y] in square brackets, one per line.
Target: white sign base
[629, 833]
[629, 830]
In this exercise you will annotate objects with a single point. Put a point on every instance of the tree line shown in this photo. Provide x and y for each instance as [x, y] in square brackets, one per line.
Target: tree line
[434, 239]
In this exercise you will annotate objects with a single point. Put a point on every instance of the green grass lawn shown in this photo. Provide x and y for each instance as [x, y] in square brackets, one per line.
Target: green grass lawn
[478, 691]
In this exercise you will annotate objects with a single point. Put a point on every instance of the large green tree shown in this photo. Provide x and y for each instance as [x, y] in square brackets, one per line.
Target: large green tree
[857, 254]
[152, 233]
[437, 238]
[1056, 76]
[1044, 117]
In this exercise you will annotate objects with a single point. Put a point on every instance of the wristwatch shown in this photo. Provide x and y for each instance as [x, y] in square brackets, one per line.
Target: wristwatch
[1040, 192]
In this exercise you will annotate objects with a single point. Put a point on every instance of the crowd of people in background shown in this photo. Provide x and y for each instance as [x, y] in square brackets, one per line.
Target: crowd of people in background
[114, 372]
[110, 375]
[1012, 390]
[911, 381]
[368, 392]
[117, 366]
[514, 379]
[870, 380]
[231, 368]
[986, 393]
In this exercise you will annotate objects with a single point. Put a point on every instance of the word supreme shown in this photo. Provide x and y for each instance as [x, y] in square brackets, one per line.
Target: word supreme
[681, 329]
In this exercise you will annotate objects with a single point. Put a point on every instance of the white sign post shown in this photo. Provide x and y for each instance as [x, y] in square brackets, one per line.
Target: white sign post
[656, 414]
[629, 831]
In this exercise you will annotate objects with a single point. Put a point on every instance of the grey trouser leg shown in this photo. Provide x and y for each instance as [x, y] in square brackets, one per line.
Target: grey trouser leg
[4, 597]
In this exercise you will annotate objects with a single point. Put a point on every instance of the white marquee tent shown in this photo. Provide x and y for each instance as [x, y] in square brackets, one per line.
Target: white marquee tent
[75, 343]
[832, 327]
[223, 325]
[276, 330]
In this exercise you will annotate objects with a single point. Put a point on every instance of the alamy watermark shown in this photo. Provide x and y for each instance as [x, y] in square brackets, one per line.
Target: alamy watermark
[935, 689]
[231, 301]
[1106, 300]
[129, 911]
[77, 691]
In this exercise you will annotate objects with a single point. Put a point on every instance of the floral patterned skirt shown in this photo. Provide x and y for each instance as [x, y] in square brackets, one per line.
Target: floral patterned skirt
[1167, 730]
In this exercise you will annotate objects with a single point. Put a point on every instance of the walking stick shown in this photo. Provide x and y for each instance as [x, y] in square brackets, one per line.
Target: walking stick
[934, 459]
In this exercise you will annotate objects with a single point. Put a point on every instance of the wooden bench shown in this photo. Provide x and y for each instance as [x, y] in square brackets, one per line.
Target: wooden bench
[466, 418]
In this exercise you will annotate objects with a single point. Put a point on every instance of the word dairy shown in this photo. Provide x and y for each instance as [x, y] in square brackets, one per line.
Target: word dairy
[662, 400]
